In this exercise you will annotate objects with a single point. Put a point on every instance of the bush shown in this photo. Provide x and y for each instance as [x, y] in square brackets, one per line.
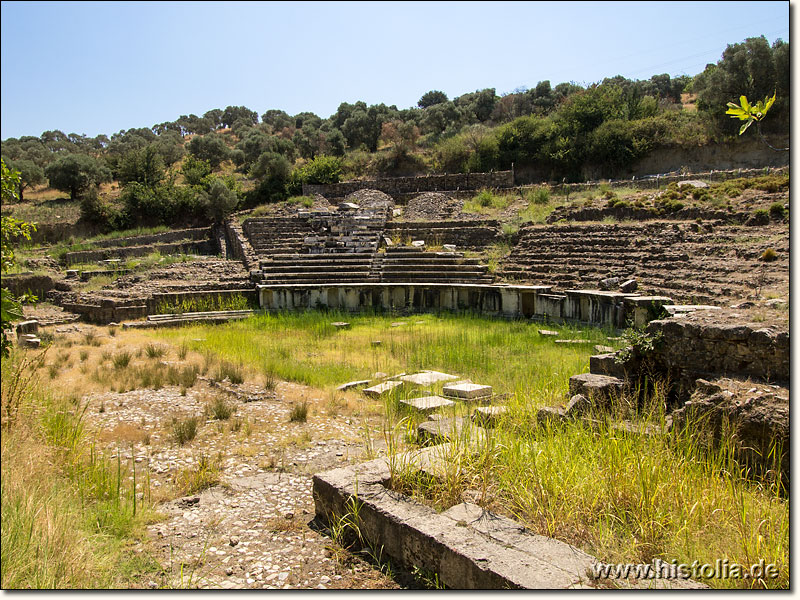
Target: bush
[97, 210]
[539, 195]
[321, 170]
[769, 255]
[219, 200]
[759, 217]
[777, 211]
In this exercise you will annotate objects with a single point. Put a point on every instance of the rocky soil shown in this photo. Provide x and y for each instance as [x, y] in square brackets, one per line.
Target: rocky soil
[432, 206]
[254, 528]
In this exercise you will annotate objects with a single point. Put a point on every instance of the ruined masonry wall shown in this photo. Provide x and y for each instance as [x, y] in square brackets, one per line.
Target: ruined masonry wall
[408, 185]
[693, 350]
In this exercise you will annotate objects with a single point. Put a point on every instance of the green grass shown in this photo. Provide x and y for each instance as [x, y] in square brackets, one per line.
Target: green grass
[487, 202]
[206, 304]
[306, 348]
[69, 514]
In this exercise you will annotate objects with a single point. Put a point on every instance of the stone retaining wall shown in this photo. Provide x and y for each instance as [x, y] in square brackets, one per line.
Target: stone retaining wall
[25, 283]
[167, 237]
[115, 311]
[464, 234]
[409, 185]
[690, 350]
[237, 245]
[186, 247]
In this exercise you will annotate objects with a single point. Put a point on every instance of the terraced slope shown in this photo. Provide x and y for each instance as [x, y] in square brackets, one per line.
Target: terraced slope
[686, 261]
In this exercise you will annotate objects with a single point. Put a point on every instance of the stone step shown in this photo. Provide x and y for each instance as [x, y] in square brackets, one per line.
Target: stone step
[388, 267]
[442, 278]
[432, 258]
[315, 275]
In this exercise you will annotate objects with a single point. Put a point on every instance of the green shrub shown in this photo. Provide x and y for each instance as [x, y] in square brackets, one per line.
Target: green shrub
[777, 211]
[320, 170]
[759, 217]
[484, 198]
[539, 195]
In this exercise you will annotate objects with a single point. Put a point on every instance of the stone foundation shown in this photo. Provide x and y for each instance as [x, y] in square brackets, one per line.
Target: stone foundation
[509, 301]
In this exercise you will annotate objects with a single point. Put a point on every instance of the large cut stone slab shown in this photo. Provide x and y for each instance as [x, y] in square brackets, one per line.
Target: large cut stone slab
[428, 403]
[428, 377]
[451, 429]
[548, 333]
[468, 391]
[573, 341]
[606, 364]
[467, 547]
[376, 391]
[596, 387]
[352, 384]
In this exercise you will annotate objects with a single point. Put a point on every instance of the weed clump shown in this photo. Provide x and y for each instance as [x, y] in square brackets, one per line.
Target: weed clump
[121, 360]
[299, 413]
[205, 474]
[154, 351]
[220, 409]
[183, 431]
[232, 372]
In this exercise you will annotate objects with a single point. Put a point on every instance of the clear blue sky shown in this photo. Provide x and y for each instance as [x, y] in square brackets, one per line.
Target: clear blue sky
[99, 67]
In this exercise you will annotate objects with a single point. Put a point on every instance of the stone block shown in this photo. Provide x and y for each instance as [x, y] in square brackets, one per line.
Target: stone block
[609, 283]
[488, 416]
[427, 403]
[29, 341]
[341, 325]
[352, 384]
[603, 349]
[428, 377]
[467, 391]
[629, 286]
[382, 389]
[548, 333]
[31, 326]
[596, 387]
[551, 414]
[578, 406]
[606, 364]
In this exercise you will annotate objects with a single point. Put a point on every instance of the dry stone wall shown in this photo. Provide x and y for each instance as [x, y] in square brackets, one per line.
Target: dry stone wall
[409, 185]
[463, 234]
[690, 349]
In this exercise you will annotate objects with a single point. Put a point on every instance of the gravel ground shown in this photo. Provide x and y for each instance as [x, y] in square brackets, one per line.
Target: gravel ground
[255, 528]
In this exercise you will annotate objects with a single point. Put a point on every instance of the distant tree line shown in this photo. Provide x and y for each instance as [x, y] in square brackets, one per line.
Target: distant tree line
[175, 171]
